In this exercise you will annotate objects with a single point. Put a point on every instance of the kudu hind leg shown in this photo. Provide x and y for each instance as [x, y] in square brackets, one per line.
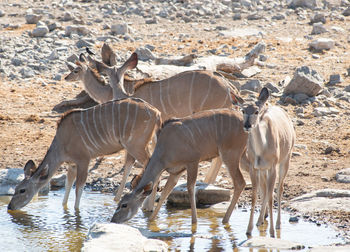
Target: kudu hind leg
[70, 178]
[270, 186]
[82, 171]
[192, 171]
[231, 161]
[255, 184]
[213, 170]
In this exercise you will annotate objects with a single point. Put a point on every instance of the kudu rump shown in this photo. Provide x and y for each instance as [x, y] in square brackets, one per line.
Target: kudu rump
[181, 145]
[271, 138]
[85, 134]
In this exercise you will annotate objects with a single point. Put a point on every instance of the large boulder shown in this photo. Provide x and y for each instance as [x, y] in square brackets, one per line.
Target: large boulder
[311, 4]
[205, 195]
[343, 176]
[271, 243]
[119, 237]
[305, 81]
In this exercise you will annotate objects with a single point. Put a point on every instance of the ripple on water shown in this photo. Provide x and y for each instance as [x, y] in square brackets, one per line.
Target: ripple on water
[45, 225]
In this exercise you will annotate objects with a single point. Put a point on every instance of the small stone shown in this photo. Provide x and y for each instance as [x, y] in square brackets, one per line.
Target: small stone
[27, 72]
[32, 18]
[273, 88]
[318, 18]
[343, 176]
[40, 31]
[318, 28]
[322, 44]
[322, 111]
[144, 54]
[290, 100]
[76, 29]
[237, 16]
[294, 219]
[300, 98]
[2, 13]
[252, 85]
[57, 77]
[335, 79]
[347, 89]
[120, 29]
[58, 181]
[67, 16]
[83, 43]
[73, 58]
[279, 17]
[346, 12]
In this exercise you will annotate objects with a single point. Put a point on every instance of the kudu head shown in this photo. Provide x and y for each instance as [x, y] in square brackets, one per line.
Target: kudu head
[33, 180]
[130, 204]
[252, 111]
[77, 71]
[115, 74]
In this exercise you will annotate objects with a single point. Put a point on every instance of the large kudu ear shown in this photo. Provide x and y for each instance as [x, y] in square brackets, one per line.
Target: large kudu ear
[263, 96]
[101, 67]
[107, 55]
[29, 169]
[130, 63]
[70, 66]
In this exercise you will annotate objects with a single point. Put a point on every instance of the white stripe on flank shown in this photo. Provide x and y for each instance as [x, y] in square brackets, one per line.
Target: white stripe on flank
[221, 124]
[91, 151]
[114, 118]
[126, 120]
[95, 125]
[84, 128]
[102, 124]
[215, 124]
[190, 131]
[119, 120]
[227, 96]
[108, 122]
[206, 97]
[133, 124]
[169, 101]
[161, 99]
[149, 120]
[197, 127]
[190, 96]
[90, 132]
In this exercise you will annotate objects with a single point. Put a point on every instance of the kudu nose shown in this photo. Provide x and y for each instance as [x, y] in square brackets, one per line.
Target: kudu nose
[9, 207]
[247, 126]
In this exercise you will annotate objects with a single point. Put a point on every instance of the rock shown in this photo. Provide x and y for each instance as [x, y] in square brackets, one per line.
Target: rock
[322, 200]
[119, 237]
[40, 31]
[347, 89]
[205, 195]
[318, 18]
[153, 20]
[144, 54]
[343, 176]
[73, 58]
[84, 43]
[346, 12]
[32, 18]
[76, 29]
[300, 98]
[305, 81]
[312, 4]
[335, 248]
[271, 243]
[27, 72]
[322, 111]
[2, 13]
[254, 16]
[322, 44]
[318, 28]
[294, 219]
[273, 88]
[279, 17]
[335, 79]
[120, 29]
[58, 181]
[67, 16]
[252, 85]
[10, 178]
[250, 71]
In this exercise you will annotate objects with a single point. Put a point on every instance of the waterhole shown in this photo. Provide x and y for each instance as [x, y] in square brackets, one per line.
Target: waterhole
[44, 225]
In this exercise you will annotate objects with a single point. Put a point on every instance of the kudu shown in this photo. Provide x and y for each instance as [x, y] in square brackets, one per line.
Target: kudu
[85, 134]
[181, 145]
[271, 138]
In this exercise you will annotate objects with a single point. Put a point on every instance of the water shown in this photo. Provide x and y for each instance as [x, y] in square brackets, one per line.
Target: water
[43, 225]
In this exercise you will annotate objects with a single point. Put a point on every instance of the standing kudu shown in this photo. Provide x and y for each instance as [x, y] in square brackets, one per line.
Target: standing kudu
[271, 138]
[181, 145]
[85, 134]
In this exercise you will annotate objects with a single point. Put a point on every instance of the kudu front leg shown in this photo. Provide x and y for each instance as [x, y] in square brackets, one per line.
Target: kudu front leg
[192, 170]
[129, 161]
[254, 180]
[70, 178]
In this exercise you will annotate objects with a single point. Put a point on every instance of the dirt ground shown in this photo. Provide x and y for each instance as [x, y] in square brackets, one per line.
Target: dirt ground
[28, 124]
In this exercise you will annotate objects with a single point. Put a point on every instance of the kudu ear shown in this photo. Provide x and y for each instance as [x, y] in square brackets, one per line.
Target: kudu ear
[82, 58]
[70, 66]
[29, 169]
[106, 53]
[130, 63]
[263, 96]
[101, 67]
[236, 99]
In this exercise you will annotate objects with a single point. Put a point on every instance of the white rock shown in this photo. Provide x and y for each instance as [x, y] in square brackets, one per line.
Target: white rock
[322, 44]
[343, 176]
[9, 178]
[305, 3]
[40, 31]
[120, 29]
[323, 111]
[76, 29]
[118, 237]
[32, 18]
[271, 243]
[318, 28]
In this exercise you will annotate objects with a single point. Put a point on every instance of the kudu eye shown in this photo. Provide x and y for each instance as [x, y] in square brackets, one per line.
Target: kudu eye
[124, 205]
[256, 112]
[22, 191]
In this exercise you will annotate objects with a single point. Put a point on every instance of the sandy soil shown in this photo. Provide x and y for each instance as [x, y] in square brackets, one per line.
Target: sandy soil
[28, 124]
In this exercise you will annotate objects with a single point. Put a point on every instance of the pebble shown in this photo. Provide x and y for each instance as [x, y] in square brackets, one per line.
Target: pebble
[120, 29]
[322, 44]
[335, 79]
[40, 31]
[32, 18]
[318, 28]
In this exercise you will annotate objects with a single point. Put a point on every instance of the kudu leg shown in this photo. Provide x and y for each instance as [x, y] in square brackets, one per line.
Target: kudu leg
[192, 171]
[262, 176]
[129, 161]
[232, 163]
[70, 178]
[283, 169]
[213, 170]
[254, 180]
[170, 184]
[270, 186]
[82, 171]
